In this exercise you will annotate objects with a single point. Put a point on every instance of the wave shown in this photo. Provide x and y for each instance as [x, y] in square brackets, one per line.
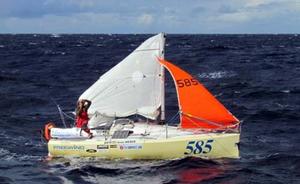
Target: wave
[219, 48]
[4, 179]
[8, 78]
[276, 114]
[265, 93]
[184, 170]
[87, 170]
[217, 75]
[6, 155]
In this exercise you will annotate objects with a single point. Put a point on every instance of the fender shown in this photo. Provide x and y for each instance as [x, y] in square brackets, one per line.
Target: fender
[47, 130]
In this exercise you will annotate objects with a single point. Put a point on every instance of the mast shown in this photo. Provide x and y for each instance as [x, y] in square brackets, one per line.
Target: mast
[162, 72]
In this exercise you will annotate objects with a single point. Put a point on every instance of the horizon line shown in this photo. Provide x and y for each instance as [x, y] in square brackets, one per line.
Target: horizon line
[67, 33]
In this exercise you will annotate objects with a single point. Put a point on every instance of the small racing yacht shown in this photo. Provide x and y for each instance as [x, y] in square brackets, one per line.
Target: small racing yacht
[136, 87]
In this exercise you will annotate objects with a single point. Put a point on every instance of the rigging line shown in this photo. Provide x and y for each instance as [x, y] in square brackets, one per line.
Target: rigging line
[68, 116]
[167, 122]
[142, 50]
[205, 120]
[230, 127]
[171, 119]
[61, 116]
[189, 117]
[60, 112]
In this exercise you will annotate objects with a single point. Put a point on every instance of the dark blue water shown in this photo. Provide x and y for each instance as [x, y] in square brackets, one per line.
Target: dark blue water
[256, 76]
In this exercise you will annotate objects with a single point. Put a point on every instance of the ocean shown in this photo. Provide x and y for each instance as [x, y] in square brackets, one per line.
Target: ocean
[257, 77]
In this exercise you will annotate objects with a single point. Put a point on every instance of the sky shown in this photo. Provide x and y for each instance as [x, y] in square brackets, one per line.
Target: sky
[150, 16]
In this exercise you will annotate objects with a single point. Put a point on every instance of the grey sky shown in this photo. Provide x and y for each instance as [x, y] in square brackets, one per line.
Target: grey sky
[149, 16]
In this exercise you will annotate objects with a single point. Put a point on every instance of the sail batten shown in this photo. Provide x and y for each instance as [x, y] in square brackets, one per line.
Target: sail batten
[199, 108]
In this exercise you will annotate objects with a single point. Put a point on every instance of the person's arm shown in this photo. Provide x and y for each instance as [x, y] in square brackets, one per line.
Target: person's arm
[88, 103]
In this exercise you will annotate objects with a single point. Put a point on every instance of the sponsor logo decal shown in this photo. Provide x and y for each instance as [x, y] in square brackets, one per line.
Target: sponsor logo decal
[119, 142]
[131, 146]
[113, 146]
[130, 141]
[74, 147]
[91, 151]
[102, 146]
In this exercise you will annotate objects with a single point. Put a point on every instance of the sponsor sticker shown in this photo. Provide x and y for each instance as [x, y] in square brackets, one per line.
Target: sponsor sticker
[130, 141]
[91, 150]
[130, 146]
[102, 147]
[119, 142]
[73, 147]
[113, 146]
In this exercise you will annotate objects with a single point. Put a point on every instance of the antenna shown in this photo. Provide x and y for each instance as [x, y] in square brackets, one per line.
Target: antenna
[61, 115]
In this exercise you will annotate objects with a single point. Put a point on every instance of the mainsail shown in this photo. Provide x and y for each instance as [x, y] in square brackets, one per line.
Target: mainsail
[133, 86]
[199, 108]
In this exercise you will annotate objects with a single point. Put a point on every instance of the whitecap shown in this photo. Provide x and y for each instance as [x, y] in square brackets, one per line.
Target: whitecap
[3, 152]
[187, 46]
[218, 95]
[32, 43]
[217, 75]
[285, 91]
[8, 156]
[281, 105]
[65, 180]
[55, 36]
[2, 133]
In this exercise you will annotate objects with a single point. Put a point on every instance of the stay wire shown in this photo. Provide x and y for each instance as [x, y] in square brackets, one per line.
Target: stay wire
[172, 118]
[61, 113]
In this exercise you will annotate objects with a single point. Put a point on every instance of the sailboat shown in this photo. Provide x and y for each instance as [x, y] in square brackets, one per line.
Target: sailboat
[135, 87]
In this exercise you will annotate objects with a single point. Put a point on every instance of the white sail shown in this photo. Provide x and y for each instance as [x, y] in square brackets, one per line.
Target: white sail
[131, 87]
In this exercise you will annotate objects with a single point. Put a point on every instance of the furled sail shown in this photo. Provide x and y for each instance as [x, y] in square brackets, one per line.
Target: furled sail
[199, 108]
[131, 87]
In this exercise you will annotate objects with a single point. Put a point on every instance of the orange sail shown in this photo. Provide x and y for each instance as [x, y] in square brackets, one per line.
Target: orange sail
[198, 107]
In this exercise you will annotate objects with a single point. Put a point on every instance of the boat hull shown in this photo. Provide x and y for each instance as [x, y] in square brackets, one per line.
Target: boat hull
[209, 146]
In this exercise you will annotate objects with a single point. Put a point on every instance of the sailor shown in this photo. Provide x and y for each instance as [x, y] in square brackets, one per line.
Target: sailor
[82, 116]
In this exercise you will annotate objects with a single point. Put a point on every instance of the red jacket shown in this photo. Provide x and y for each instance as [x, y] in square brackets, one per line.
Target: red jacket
[82, 119]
